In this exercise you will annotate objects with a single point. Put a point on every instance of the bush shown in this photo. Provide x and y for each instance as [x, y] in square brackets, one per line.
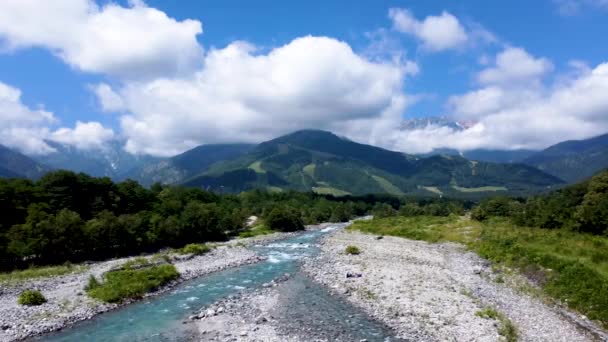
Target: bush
[128, 283]
[31, 297]
[353, 250]
[284, 219]
[195, 248]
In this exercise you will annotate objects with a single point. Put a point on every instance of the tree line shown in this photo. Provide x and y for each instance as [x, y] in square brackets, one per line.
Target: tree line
[67, 216]
[581, 207]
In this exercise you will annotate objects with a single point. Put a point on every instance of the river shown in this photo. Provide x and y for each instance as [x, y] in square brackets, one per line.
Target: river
[161, 318]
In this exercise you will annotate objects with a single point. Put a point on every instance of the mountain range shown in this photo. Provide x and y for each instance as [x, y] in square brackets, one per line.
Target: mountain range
[312, 160]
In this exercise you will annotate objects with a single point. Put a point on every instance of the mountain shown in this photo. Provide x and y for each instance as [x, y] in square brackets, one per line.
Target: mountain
[14, 164]
[573, 160]
[111, 161]
[320, 161]
[190, 163]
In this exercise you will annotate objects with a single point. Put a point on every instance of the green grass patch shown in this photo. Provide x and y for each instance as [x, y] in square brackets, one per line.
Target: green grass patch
[257, 167]
[40, 272]
[569, 266]
[310, 170]
[432, 189]
[258, 230]
[31, 297]
[480, 189]
[129, 283]
[427, 228]
[326, 190]
[507, 329]
[195, 248]
[353, 250]
[387, 186]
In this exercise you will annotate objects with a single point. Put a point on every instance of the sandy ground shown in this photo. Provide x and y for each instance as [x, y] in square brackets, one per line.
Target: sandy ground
[432, 292]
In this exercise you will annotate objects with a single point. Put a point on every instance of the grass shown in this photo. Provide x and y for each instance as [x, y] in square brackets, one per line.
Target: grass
[432, 189]
[388, 186]
[480, 189]
[31, 297]
[353, 250]
[260, 229]
[257, 167]
[40, 272]
[326, 190]
[129, 283]
[568, 266]
[506, 329]
[310, 170]
[195, 248]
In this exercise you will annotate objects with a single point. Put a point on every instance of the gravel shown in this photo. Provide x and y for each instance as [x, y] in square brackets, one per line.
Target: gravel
[68, 303]
[432, 292]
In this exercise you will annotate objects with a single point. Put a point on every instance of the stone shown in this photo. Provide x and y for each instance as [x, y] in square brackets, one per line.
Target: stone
[260, 320]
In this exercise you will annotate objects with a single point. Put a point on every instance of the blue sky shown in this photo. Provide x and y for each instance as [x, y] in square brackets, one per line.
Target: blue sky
[565, 38]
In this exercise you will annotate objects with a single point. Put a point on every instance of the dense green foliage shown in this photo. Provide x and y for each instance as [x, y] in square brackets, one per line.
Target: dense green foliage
[284, 219]
[66, 216]
[129, 283]
[31, 297]
[325, 163]
[582, 207]
[573, 161]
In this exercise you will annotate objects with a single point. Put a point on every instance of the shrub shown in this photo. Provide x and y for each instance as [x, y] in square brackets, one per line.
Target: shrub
[129, 283]
[284, 219]
[354, 250]
[195, 248]
[31, 297]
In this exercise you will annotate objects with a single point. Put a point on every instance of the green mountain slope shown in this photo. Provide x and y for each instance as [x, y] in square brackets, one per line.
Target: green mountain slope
[320, 161]
[185, 165]
[15, 164]
[573, 160]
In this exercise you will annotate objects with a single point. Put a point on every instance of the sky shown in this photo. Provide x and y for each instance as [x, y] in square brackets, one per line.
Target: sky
[165, 76]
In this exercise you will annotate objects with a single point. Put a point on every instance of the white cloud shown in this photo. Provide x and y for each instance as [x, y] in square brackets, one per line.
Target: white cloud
[512, 114]
[573, 7]
[311, 82]
[135, 42]
[85, 136]
[22, 127]
[515, 65]
[26, 129]
[108, 99]
[437, 33]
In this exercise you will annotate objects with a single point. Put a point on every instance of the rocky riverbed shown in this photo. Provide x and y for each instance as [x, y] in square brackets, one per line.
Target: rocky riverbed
[436, 292]
[68, 303]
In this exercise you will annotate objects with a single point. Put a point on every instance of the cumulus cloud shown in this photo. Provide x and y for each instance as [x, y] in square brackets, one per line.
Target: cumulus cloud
[85, 136]
[239, 95]
[27, 130]
[515, 65]
[510, 114]
[108, 99]
[437, 33]
[134, 42]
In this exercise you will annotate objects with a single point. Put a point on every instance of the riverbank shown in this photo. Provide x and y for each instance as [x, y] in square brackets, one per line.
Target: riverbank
[436, 292]
[67, 302]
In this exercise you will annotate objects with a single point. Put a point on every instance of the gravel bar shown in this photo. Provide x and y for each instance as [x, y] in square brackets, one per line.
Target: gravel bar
[432, 292]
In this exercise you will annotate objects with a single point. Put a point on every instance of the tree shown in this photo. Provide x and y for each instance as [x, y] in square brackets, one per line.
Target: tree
[284, 219]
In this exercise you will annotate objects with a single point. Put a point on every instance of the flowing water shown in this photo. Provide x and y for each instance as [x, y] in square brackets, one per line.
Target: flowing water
[160, 318]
